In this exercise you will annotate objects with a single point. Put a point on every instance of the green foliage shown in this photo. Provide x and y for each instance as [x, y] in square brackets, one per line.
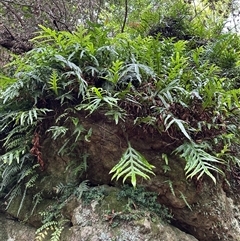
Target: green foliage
[97, 98]
[198, 161]
[185, 200]
[170, 72]
[132, 164]
[53, 82]
[52, 219]
[144, 200]
[17, 179]
[49, 231]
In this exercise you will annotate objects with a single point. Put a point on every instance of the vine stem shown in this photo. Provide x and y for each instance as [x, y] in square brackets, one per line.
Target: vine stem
[125, 16]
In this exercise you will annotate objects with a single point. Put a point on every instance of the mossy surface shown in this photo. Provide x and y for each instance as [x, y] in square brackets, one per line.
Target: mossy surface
[111, 202]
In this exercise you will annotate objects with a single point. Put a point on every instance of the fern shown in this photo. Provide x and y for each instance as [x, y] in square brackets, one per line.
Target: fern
[74, 71]
[43, 232]
[78, 169]
[132, 164]
[170, 183]
[198, 161]
[8, 175]
[13, 155]
[185, 200]
[16, 144]
[78, 128]
[114, 71]
[30, 117]
[55, 236]
[53, 82]
[170, 119]
[12, 195]
[97, 98]
[37, 198]
[57, 131]
[83, 187]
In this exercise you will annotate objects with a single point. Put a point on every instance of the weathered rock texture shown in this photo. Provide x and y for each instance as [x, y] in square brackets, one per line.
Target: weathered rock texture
[94, 223]
[94, 228]
[11, 230]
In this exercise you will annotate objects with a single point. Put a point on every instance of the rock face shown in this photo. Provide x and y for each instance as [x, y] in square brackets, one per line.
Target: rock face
[93, 222]
[11, 230]
[201, 209]
[94, 228]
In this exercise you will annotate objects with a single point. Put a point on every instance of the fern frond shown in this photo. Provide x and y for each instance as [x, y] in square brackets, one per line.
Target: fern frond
[16, 141]
[55, 236]
[13, 155]
[83, 187]
[198, 161]
[37, 198]
[132, 164]
[57, 131]
[170, 119]
[12, 91]
[97, 98]
[16, 191]
[29, 117]
[74, 71]
[43, 231]
[23, 196]
[185, 200]
[53, 82]
[8, 175]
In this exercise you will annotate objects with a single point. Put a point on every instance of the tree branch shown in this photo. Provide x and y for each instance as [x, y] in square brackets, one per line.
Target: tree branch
[125, 16]
[13, 12]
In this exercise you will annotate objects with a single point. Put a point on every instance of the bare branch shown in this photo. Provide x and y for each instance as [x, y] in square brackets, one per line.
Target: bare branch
[13, 12]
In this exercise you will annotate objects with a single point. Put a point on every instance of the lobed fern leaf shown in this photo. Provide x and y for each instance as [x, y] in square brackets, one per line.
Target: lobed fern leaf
[180, 123]
[57, 131]
[53, 82]
[132, 164]
[96, 98]
[198, 161]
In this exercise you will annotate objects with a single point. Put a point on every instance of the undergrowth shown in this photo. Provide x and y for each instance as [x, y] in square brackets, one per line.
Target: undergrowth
[146, 201]
[180, 86]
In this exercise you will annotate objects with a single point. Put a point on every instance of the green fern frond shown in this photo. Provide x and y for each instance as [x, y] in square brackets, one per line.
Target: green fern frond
[53, 82]
[11, 92]
[98, 97]
[114, 71]
[83, 187]
[30, 117]
[6, 81]
[57, 131]
[8, 175]
[43, 232]
[78, 169]
[183, 197]
[132, 164]
[198, 161]
[16, 141]
[170, 119]
[74, 71]
[37, 198]
[55, 236]
[20, 140]
[23, 196]
[16, 191]
[13, 155]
